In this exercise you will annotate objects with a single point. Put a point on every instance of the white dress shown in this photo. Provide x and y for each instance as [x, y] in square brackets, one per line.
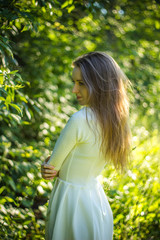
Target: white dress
[78, 207]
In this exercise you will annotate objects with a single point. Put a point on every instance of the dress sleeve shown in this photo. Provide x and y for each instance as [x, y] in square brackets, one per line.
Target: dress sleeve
[65, 143]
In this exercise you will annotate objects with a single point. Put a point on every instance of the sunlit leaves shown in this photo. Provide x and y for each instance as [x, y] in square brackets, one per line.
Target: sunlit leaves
[135, 202]
[41, 39]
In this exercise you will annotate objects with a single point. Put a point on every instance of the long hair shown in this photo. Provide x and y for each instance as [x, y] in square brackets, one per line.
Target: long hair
[107, 86]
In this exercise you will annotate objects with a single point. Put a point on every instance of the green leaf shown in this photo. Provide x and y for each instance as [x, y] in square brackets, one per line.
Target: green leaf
[27, 111]
[26, 28]
[70, 9]
[16, 118]
[19, 78]
[22, 98]
[2, 99]
[13, 72]
[1, 79]
[8, 100]
[2, 189]
[27, 203]
[65, 4]
[16, 107]
[12, 183]
[18, 86]
[157, 24]
[6, 49]
[25, 123]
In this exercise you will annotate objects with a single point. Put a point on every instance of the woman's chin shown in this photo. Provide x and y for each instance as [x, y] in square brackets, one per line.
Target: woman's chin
[81, 102]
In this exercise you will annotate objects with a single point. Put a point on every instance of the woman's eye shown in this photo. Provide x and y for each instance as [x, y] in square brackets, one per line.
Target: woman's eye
[81, 83]
[78, 82]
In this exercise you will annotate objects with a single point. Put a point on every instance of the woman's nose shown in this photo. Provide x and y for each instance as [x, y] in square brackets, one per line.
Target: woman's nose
[75, 89]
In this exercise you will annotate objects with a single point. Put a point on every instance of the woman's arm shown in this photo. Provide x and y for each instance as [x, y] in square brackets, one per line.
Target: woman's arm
[64, 145]
[67, 140]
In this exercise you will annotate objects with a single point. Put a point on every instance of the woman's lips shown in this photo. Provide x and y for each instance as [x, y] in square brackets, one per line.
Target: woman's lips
[79, 97]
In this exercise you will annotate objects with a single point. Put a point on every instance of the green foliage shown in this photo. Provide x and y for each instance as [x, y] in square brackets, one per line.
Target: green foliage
[134, 196]
[38, 42]
[17, 191]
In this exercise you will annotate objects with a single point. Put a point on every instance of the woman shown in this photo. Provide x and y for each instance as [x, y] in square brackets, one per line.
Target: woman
[98, 133]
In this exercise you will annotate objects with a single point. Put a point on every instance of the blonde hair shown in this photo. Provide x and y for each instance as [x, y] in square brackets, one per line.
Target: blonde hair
[107, 85]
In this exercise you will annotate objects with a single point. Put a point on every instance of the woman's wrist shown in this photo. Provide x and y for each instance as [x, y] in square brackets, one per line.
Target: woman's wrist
[47, 159]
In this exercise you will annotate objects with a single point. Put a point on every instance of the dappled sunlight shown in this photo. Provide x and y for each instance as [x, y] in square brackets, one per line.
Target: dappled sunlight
[39, 41]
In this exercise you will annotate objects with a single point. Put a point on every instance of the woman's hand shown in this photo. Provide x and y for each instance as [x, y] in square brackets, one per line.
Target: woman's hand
[48, 171]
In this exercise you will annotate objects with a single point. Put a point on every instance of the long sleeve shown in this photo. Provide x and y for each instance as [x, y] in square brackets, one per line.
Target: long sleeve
[65, 143]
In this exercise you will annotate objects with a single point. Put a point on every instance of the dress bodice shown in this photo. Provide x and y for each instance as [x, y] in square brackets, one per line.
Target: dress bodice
[77, 153]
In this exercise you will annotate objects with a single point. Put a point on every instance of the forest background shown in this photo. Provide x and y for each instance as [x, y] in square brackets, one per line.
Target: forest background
[39, 40]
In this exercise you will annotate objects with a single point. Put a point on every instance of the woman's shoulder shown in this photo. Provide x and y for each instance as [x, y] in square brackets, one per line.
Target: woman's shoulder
[83, 114]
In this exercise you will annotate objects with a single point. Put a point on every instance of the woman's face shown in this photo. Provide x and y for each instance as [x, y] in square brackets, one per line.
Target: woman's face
[79, 88]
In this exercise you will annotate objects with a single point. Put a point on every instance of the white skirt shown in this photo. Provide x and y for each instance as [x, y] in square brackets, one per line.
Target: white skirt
[78, 212]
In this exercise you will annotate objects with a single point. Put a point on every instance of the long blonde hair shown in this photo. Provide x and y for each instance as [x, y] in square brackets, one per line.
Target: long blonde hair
[107, 86]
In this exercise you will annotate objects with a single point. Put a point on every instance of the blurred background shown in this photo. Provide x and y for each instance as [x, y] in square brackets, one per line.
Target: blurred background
[39, 39]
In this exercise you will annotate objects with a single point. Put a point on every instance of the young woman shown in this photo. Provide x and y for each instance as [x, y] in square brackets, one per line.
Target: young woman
[95, 135]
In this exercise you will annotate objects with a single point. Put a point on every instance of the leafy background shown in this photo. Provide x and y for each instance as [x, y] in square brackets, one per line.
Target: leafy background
[38, 42]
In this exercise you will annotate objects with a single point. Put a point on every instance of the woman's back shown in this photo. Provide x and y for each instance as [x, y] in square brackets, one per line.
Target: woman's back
[84, 162]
